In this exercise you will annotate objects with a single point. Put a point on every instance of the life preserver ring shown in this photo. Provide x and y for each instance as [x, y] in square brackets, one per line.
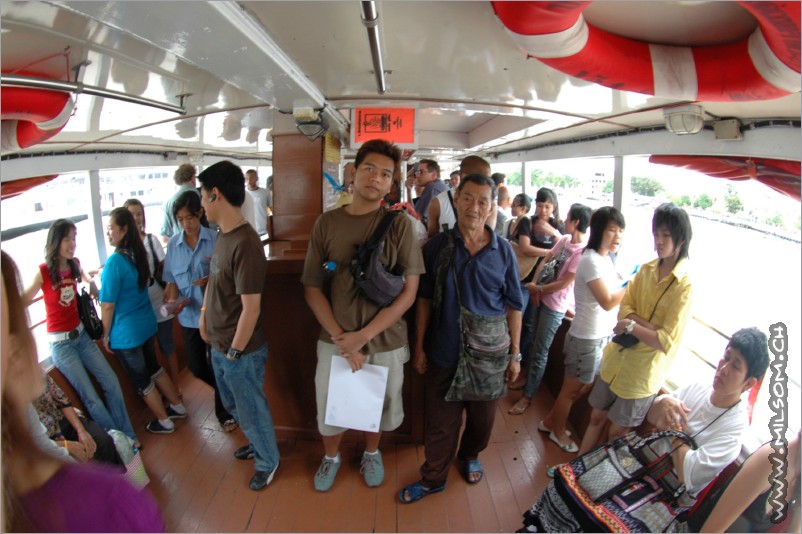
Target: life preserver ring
[763, 66]
[30, 116]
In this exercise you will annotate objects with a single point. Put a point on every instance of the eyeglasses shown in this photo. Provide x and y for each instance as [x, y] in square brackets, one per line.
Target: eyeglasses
[421, 171]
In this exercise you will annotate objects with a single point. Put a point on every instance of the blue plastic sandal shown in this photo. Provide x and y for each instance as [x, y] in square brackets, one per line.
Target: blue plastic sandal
[470, 467]
[417, 491]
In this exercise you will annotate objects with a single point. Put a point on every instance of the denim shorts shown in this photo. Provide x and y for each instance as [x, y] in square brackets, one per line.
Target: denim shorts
[164, 335]
[582, 357]
[141, 365]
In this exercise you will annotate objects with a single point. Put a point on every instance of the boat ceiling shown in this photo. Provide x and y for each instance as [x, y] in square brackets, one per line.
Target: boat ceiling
[245, 65]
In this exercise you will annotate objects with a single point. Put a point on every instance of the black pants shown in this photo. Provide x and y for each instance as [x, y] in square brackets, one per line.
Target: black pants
[106, 451]
[199, 364]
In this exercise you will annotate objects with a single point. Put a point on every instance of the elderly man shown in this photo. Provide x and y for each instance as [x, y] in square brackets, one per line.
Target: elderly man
[442, 215]
[468, 267]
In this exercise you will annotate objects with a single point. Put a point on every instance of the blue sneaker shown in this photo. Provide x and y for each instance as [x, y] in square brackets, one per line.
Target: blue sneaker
[324, 478]
[372, 469]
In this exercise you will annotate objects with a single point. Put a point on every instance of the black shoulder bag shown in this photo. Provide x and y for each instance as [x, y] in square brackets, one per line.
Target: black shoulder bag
[373, 280]
[88, 314]
[158, 266]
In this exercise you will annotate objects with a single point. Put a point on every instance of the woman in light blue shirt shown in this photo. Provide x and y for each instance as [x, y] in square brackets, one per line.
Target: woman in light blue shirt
[186, 271]
[129, 324]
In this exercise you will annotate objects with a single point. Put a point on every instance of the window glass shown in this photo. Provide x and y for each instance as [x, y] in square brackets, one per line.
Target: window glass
[744, 255]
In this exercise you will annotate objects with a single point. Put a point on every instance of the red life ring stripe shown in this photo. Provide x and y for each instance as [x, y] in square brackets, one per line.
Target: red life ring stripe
[764, 66]
[31, 116]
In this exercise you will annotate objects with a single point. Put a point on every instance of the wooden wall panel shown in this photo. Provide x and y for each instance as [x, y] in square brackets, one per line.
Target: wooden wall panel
[297, 186]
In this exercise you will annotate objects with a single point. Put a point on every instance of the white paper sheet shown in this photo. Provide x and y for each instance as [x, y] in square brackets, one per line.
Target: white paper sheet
[355, 399]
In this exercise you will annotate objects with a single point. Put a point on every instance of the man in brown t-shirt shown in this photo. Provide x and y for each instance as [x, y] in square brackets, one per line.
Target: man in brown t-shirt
[231, 317]
[353, 326]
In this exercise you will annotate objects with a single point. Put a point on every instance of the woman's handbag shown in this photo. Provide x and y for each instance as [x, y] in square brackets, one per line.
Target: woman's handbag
[551, 269]
[621, 486]
[88, 314]
[134, 468]
[484, 342]
[158, 266]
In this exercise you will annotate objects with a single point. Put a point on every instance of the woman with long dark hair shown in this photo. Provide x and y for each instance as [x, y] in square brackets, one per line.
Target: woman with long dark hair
[40, 492]
[186, 271]
[155, 253]
[598, 292]
[72, 350]
[129, 323]
[545, 230]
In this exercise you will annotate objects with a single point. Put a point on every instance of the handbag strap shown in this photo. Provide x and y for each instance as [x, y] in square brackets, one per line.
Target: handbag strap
[153, 255]
[444, 260]
[660, 298]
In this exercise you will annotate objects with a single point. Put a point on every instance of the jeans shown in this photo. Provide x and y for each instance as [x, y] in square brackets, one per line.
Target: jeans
[197, 352]
[241, 384]
[545, 325]
[74, 357]
[526, 325]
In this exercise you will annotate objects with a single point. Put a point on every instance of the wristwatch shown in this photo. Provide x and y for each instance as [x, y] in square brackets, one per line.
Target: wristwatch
[233, 354]
[629, 327]
[516, 357]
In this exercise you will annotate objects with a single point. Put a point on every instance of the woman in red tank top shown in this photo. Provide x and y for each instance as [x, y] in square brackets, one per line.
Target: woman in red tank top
[71, 349]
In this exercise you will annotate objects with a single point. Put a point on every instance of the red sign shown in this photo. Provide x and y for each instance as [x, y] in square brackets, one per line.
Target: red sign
[396, 125]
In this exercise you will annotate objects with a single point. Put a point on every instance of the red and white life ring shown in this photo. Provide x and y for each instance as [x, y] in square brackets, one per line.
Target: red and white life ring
[763, 66]
[30, 116]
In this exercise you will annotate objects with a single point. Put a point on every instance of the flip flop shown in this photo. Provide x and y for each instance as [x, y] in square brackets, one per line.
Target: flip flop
[542, 428]
[229, 425]
[518, 408]
[572, 447]
[418, 491]
[470, 467]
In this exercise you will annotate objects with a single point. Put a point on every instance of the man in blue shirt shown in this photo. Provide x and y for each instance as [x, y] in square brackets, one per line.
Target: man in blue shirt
[486, 271]
[427, 175]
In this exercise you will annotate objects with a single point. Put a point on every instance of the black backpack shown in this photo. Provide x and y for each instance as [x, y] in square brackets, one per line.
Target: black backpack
[373, 280]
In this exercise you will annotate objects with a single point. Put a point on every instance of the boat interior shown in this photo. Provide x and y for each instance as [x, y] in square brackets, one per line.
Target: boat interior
[281, 84]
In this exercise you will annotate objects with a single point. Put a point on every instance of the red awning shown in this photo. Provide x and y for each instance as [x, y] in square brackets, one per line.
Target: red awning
[780, 175]
[15, 187]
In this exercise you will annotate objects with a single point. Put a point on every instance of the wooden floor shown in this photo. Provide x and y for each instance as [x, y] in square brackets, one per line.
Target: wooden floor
[201, 487]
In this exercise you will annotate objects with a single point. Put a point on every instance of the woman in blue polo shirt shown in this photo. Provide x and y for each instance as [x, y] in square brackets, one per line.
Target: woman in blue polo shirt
[129, 323]
[186, 270]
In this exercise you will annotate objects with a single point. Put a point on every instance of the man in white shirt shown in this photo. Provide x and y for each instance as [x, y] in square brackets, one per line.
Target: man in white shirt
[693, 407]
[261, 201]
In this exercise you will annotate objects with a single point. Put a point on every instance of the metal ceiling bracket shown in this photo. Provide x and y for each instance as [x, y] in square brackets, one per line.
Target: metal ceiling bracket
[18, 80]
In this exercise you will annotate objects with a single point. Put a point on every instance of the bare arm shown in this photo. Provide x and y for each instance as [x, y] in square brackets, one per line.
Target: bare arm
[423, 312]
[321, 308]
[251, 305]
[514, 324]
[83, 436]
[349, 342]
[92, 287]
[33, 288]
[606, 299]
[528, 249]
[434, 217]
[106, 316]
[750, 481]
